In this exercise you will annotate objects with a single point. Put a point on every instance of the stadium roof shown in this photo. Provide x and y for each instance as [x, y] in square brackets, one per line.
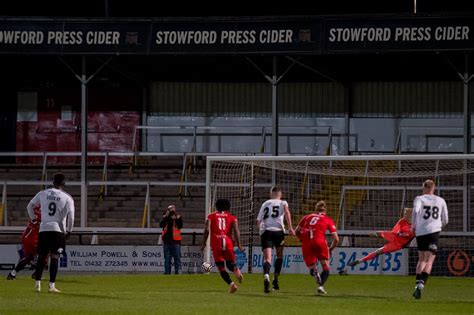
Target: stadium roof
[146, 8]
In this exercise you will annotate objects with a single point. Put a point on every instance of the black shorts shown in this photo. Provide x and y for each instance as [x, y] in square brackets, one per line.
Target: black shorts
[51, 242]
[272, 239]
[428, 242]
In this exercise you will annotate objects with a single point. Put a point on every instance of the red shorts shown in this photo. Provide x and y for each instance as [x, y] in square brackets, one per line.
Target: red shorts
[394, 242]
[223, 249]
[29, 241]
[223, 255]
[315, 251]
[30, 247]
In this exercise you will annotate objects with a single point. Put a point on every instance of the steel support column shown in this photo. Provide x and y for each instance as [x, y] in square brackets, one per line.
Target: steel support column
[274, 80]
[466, 109]
[467, 142]
[83, 143]
[347, 116]
[274, 108]
[84, 81]
[143, 135]
[465, 78]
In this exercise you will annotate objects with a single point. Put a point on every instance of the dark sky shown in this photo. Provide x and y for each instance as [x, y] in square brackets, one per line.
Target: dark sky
[163, 8]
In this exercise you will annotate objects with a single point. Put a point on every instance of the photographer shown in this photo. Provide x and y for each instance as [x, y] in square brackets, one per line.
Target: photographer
[171, 223]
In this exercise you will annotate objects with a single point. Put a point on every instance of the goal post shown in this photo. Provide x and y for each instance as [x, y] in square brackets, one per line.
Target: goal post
[363, 194]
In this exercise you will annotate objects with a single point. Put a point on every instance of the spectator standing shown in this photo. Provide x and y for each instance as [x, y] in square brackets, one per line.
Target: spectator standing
[172, 223]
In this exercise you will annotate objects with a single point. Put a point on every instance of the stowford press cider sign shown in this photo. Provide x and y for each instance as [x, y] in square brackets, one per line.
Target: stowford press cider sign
[45, 37]
[248, 36]
[399, 34]
[60, 37]
[257, 35]
[224, 37]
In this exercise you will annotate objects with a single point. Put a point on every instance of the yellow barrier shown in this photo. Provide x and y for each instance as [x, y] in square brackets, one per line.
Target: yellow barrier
[2, 206]
[145, 213]
[146, 207]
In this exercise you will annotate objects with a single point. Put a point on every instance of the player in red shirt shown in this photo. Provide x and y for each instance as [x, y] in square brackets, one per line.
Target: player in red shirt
[311, 231]
[221, 225]
[29, 241]
[399, 237]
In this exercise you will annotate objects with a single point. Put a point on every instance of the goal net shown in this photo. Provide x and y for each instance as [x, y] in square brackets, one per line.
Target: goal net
[363, 194]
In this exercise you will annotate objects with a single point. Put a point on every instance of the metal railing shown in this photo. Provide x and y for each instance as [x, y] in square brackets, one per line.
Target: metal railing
[95, 232]
[426, 135]
[263, 132]
[103, 183]
[186, 157]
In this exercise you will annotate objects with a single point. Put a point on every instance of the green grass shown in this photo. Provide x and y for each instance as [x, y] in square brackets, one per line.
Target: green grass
[207, 294]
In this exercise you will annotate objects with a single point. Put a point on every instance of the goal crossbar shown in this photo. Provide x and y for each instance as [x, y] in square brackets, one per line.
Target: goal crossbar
[430, 157]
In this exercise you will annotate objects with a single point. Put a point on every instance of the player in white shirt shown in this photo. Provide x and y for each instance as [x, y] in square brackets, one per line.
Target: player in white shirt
[57, 221]
[430, 215]
[272, 234]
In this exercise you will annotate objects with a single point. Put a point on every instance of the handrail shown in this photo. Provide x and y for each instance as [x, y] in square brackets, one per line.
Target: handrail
[427, 135]
[109, 153]
[103, 189]
[129, 183]
[105, 230]
[330, 140]
[3, 206]
[233, 130]
[146, 218]
[45, 164]
[14, 230]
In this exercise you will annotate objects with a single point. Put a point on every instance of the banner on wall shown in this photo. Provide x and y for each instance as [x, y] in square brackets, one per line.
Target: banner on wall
[275, 35]
[451, 262]
[150, 259]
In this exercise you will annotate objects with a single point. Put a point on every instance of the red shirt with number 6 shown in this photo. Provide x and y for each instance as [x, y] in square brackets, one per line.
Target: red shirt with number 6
[312, 230]
[313, 227]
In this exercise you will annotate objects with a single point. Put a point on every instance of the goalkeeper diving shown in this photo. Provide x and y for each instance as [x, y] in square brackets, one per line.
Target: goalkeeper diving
[399, 237]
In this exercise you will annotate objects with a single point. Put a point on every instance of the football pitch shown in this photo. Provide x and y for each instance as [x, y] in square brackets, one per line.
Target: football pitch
[207, 294]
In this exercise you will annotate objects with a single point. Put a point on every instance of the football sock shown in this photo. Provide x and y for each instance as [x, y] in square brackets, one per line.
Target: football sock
[266, 268]
[369, 257]
[424, 277]
[220, 266]
[52, 285]
[230, 265]
[226, 277]
[21, 265]
[38, 283]
[316, 275]
[418, 278]
[53, 269]
[324, 275]
[13, 272]
[278, 265]
[40, 267]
